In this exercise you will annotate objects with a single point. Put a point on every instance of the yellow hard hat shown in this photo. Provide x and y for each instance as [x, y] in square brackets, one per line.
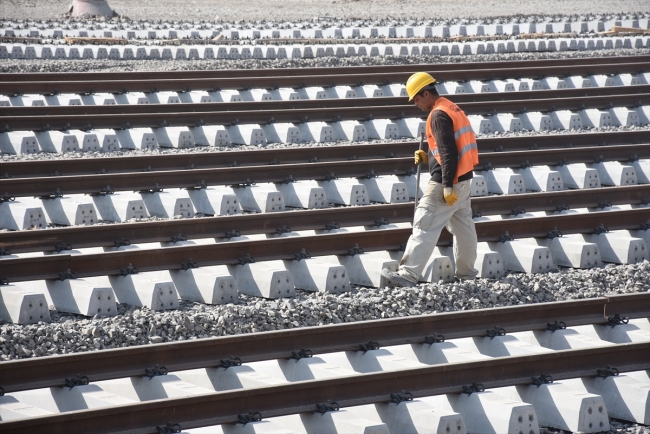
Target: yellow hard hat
[417, 82]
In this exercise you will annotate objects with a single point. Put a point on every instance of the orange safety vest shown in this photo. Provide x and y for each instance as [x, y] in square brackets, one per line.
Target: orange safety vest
[463, 133]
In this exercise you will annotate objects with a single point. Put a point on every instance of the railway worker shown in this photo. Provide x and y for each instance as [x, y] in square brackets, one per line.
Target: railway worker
[451, 156]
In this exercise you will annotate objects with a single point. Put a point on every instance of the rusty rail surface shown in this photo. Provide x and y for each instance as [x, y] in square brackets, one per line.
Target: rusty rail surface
[157, 120]
[316, 219]
[176, 356]
[180, 161]
[460, 98]
[283, 173]
[303, 396]
[174, 258]
[264, 80]
[294, 72]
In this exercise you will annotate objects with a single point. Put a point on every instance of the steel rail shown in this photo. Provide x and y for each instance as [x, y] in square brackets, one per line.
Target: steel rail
[294, 72]
[285, 248]
[157, 120]
[280, 173]
[266, 81]
[303, 396]
[107, 364]
[460, 98]
[179, 161]
[268, 223]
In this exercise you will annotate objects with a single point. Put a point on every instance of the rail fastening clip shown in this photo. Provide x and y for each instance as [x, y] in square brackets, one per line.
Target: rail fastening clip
[609, 371]
[370, 345]
[229, 363]
[327, 407]
[400, 397]
[474, 387]
[67, 275]
[303, 254]
[434, 339]
[129, 270]
[615, 320]
[557, 325]
[79, 380]
[169, 428]
[189, 264]
[302, 354]
[496, 331]
[252, 416]
[542, 379]
[156, 371]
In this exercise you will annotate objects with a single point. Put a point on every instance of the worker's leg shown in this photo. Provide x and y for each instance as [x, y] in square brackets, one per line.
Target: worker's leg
[462, 227]
[431, 216]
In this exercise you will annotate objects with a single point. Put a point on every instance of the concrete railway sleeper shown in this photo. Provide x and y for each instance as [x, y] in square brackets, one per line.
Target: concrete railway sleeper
[283, 81]
[298, 116]
[136, 163]
[576, 388]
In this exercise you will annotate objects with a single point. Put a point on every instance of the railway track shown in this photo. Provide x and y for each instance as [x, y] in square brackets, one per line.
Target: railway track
[412, 342]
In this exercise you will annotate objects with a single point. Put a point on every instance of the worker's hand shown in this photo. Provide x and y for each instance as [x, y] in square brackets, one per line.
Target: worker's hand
[450, 196]
[421, 157]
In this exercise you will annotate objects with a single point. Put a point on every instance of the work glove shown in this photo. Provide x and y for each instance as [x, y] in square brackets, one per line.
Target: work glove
[421, 157]
[450, 196]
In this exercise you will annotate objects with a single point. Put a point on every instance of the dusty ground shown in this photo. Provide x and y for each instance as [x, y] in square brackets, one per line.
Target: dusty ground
[308, 9]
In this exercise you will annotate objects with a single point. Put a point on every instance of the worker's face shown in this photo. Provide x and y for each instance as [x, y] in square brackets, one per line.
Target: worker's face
[423, 101]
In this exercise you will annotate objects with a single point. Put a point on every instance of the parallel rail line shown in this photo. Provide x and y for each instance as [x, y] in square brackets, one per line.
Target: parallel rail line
[578, 66]
[264, 80]
[223, 407]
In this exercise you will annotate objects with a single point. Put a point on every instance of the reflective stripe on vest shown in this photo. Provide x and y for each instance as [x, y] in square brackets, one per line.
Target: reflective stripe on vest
[463, 135]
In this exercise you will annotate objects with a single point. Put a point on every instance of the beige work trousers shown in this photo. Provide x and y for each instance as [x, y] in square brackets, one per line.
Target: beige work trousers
[433, 214]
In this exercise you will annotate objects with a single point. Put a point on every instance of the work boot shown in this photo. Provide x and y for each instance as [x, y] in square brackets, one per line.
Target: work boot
[396, 279]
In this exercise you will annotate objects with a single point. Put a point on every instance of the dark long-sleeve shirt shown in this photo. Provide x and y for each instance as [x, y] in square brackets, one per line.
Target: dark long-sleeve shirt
[443, 131]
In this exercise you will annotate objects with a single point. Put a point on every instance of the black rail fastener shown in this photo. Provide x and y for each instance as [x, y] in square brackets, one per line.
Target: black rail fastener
[370, 345]
[232, 234]
[104, 191]
[102, 171]
[615, 320]
[600, 229]
[356, 250]
[284, 229]
[191, 167]
[85, 128]
[67, 275]
[535, 147]
[369, 175]
[3, 281]
[542, 379]
[645, 226]
[52, 195]
[560, 208]
[156, 371]
[156, 189]
[201, 185]
[244, 184]
[125, 126]
[402, 247]
[327, 407]
[400, 397]
[333, 225]
[314, 160]
[303, 254]
[252, 416]
[130, 269]
[381, 222]
[353, 158]
[562, 162]
[555, 326]
[599, 159]
[234, 164]
[2, 391]
[476, 214]
[56, 173]
[177, 238]
[199, 123]
[434, 339]
[604, 204]
[289, 179]
[331, 177]
[494, 332]
[5, 129]
[499, 149]
[517, 211]
[5, 176]
[410, 172]
[189, 265]
[230, 362]
[302, 354]
[5, 252]
[66, 127]
[169, 428]
[248, 259]
[473, 388]
[58, 248]
[553, 234]
[234, 122]
[163, 124]
[122, 242]
[274, 162]
[487, 166]
[609, 371]
[505, 237]
[633, 158]
[270, 121]
[391, 155]
[45, 128]
[524, 165]
[148, 169]
[79, 380]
